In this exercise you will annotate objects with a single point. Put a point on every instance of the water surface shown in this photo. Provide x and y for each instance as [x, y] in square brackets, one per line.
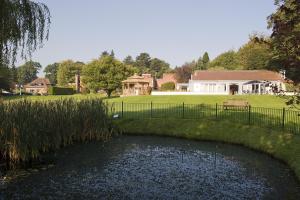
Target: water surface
[144, 167]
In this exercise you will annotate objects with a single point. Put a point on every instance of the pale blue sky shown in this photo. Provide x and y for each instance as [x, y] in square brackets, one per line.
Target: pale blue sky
[173, 30]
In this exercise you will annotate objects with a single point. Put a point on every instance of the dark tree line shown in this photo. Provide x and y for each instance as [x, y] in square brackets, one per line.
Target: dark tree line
[143, 63]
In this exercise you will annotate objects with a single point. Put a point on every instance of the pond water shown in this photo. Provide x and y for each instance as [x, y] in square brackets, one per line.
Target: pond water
[144, 167]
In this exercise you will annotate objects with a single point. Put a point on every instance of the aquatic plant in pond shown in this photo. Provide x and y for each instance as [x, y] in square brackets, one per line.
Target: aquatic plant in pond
[29, 128]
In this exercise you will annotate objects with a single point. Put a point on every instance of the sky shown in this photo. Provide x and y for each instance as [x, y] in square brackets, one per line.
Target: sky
[176, 31]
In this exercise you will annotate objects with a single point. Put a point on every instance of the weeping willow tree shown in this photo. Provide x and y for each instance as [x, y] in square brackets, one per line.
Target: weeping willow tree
[4, 80]
[24, 25]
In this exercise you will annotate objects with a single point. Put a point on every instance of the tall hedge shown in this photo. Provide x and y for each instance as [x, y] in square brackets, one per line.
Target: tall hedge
[60, 91]
[168, 86]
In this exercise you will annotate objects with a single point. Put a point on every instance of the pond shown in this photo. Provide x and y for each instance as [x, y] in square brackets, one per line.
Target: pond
[146, 167]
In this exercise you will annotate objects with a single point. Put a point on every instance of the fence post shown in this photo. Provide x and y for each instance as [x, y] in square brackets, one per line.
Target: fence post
[216, 111]
[183, 110]
[122, 109]
[283, 117]
[249, 115]
[151, 110]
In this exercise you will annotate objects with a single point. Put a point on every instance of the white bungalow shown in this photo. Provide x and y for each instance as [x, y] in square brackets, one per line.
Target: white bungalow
[236, 82]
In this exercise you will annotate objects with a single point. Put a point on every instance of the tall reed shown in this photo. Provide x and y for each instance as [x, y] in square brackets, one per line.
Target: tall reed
[29, 128]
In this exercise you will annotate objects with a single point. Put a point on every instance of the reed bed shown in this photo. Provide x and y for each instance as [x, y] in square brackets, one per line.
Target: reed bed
[30, 128]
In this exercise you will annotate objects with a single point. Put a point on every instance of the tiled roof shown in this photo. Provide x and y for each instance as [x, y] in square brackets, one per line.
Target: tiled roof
[237, 75]
[138, 79]
[39, 82]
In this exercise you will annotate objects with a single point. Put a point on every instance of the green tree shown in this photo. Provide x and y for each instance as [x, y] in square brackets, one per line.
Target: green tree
[129, 70]
[256, 54]
[285, 25]
[67, 70]
[24, 25]
[199, 64]
[202, 62]
[104, 53]
[145, 64]
[4, 78]
[158, 67]
[14, 74]
[28, 72]
[51, 72]
[105, 73]
[227, 60]
[128, 61]
[142, 62]
[130, 65]
[112, 53]
[205, 60]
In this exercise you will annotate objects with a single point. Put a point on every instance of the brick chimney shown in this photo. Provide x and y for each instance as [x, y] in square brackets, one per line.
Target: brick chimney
[77, 82]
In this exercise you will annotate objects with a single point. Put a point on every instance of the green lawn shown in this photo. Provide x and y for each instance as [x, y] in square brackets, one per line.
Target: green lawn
[281, 145]
[254, 100]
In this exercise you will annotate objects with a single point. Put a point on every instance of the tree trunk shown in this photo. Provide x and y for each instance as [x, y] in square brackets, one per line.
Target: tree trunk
[108, 92]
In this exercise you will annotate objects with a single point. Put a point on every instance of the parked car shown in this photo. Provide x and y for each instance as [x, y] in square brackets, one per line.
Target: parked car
[6, 93]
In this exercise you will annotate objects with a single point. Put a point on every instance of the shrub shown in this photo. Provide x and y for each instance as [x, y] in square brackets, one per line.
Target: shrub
[292, 88]
[60, 91]
[168, 86]
[85, 90]
[149, 90]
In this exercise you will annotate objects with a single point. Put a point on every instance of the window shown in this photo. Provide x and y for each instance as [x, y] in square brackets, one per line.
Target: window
[221, 88]
[212, 88]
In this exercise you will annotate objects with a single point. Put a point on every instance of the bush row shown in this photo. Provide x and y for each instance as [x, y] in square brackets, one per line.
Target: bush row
[60, 91]
[169, 86]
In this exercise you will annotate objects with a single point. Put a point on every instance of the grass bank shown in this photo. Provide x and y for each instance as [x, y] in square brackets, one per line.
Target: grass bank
[283, 146]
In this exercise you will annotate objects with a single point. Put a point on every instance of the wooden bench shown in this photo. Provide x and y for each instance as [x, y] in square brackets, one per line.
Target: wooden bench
[236, 103]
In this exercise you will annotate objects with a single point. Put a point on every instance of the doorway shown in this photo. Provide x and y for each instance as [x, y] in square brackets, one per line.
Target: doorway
[233, 89]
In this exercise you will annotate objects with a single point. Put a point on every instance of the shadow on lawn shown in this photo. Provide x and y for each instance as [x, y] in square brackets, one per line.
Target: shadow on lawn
[280, 119]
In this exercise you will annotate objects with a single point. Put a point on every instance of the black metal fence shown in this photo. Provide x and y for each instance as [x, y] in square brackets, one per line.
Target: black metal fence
[283, 119]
